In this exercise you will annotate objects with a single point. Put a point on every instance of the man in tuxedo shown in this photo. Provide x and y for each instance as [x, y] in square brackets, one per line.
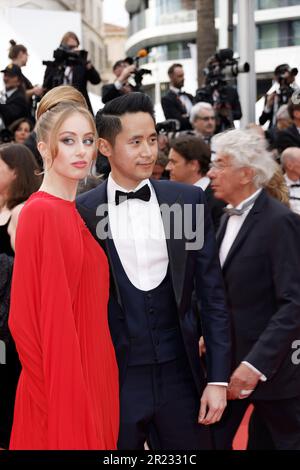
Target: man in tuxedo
[176, 103]
[153, 273]
[13, 103]
[259, 251]
[188, 163]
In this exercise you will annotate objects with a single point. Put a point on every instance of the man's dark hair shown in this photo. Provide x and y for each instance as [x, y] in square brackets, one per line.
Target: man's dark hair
[117, 64]
[108, 120]
[191, 147]
[172, 68]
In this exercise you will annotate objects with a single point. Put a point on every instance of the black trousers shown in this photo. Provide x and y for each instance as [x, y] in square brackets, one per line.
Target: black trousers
[159, 403]
[281, 418]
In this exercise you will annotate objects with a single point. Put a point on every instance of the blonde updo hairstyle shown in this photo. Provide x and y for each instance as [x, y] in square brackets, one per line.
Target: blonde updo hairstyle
[55, 107]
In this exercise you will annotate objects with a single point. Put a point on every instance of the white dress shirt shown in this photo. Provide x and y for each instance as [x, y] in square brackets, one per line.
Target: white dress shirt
[294, 193]
[139, 237]
[234, 225]
[203, 183]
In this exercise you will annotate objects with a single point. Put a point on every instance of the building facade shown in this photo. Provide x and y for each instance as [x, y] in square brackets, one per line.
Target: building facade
[114, 39]
[167, 29]
[91, 24]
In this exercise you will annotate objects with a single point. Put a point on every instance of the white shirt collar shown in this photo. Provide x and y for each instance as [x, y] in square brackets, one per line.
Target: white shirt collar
[176, 90]
[9, 93]
[289, 182]
[112, 187]
[203, 182]
[245, 200]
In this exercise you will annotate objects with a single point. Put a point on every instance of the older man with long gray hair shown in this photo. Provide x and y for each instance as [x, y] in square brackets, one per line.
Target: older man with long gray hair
[260, 256]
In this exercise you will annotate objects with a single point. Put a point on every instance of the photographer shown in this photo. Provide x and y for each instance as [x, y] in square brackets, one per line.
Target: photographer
[176, 103]
[121, 86]
[285, 77]
[221, 68]
[71, 67]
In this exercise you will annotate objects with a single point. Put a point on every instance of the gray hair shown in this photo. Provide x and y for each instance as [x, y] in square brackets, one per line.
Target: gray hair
[290, 153]
[247, 149]
[197, 108]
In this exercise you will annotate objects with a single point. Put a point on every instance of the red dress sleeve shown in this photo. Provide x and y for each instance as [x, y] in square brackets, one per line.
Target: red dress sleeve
[43, 325]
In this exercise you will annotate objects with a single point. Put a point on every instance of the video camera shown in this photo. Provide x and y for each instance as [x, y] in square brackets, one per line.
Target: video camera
[284, 74]
[138, 75]
[222, 68]
[168, 126]
[64, 57]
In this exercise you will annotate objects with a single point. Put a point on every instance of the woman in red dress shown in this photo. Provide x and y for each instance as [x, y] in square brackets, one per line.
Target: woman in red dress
[67, 396]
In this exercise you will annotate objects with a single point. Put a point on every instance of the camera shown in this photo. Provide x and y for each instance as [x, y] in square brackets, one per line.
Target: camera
[168, 126]
[221, 69]
[64, 57]
[285, 76]
[139, 73]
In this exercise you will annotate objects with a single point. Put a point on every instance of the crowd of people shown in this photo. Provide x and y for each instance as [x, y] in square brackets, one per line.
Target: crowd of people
[151, 299]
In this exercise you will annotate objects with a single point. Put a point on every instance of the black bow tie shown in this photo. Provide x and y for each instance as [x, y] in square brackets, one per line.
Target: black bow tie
[143, 193]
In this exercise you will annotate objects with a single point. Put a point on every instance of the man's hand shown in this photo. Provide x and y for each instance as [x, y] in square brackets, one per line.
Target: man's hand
[126, 73]
[202, 348]
[213, 403]
[242, 382]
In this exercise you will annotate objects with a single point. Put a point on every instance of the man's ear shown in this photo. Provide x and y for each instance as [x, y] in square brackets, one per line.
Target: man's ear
[104, 147]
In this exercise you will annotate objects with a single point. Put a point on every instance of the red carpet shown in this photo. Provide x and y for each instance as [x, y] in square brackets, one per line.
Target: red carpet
[241, 437]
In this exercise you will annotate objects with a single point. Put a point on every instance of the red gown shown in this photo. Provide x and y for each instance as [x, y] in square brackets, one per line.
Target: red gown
[68, 394]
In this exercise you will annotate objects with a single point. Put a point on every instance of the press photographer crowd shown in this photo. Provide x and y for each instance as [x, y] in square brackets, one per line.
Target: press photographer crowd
[134, 341]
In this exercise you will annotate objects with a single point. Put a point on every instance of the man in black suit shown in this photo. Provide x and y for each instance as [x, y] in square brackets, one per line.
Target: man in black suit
[77, 73]
[13, 103]
[290, 137]
[122, 71]
[260, 257]
[176, 103]
[153, 274]
[188, 163]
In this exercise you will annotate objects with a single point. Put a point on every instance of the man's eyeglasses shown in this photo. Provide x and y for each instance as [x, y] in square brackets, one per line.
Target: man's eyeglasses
[207, 118]
[215, 165]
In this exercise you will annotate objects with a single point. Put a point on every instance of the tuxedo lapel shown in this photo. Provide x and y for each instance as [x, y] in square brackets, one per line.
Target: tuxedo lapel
[94, 222]
[222, 229]
[176, 247]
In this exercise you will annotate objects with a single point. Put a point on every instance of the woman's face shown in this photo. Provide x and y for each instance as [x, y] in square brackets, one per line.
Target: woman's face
[22, 132]
[7, 176]
[76, 149]
[23, 57]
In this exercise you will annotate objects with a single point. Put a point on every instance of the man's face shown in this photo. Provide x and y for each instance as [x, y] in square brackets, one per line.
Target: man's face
[119, 69]
[294, 164]
[205, 122]
[181, 169]
[226, 179]
[11, 81]
[71, 44]
[134, 153]
[177, 77]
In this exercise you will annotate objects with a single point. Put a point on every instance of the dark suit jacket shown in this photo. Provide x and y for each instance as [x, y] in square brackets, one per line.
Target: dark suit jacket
[188, 269]
[16, 107]
[174, 109]
[216, 206]
[81, 76]
[290, 137]
[109, 92]
[262, 282]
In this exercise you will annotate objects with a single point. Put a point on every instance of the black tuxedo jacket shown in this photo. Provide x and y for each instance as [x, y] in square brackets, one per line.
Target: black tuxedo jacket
[290, 137]
[174, 109]
[199, 268]
[16, 107]
[262, 282]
